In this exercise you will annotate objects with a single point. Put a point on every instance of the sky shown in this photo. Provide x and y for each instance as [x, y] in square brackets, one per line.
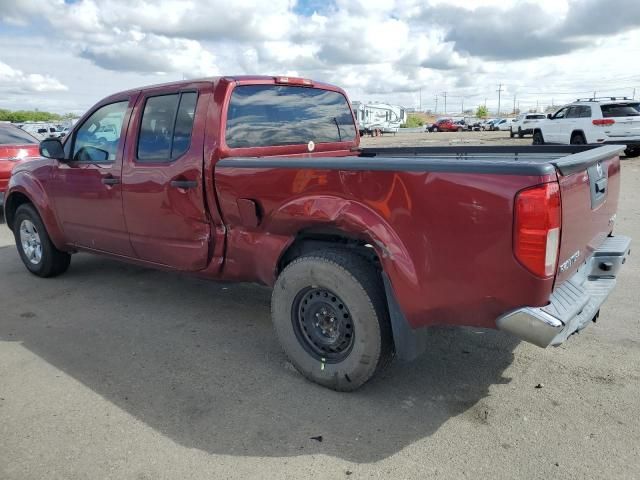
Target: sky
[65, 55]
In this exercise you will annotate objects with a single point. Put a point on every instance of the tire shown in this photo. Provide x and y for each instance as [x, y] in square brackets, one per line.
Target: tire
[520, 134]
[632, 152]
[364, 343]
[538, 139]
[35, 248]
[434, 129]
[578, 139]
[511, 134]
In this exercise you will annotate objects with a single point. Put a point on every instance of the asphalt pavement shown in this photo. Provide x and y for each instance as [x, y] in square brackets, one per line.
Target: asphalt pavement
[116, 371]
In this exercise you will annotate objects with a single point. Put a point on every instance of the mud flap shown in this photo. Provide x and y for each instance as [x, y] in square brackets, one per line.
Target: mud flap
[409, 343]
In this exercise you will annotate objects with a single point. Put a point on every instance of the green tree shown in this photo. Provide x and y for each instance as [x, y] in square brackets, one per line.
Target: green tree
[19, 116]
[413, 121]
[482, 111]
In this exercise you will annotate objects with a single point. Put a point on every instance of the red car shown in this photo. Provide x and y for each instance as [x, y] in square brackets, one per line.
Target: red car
[261, 179]
[447, 125]
[16, 145]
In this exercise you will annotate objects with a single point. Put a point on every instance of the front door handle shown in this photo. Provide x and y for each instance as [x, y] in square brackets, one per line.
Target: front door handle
[184, 184]
[110, 180]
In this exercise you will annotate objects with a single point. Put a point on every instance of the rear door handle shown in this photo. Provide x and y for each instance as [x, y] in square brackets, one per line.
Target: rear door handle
[110, 180]
[184, 184]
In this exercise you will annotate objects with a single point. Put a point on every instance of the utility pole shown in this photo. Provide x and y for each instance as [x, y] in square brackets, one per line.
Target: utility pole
[499, 94]
[514, 104]
[537, 106]
[420, 108]
[462, 104]
[594, 94]
[444, 94]
[436, 112]
[634, 94]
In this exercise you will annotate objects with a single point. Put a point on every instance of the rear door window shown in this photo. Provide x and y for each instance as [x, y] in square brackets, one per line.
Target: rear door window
[165, 131]
[275, 115]
[620, 110]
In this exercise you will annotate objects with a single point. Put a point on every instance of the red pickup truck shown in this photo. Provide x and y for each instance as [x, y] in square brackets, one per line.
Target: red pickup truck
[261, 179]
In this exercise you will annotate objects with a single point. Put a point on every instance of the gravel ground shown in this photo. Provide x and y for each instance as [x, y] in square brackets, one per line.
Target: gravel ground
[116, 371]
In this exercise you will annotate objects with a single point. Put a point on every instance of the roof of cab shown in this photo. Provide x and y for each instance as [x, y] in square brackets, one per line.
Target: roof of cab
[231, 78]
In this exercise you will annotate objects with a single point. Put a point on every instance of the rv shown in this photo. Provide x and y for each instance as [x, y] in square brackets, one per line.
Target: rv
[378, 118]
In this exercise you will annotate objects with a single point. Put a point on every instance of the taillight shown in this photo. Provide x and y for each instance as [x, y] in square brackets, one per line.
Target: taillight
[603, 122]
[537, 228]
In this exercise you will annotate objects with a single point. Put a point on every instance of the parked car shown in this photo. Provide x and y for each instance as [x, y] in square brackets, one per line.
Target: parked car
[503, 124]
[16, 146]
[487, 124]
[447, 125]
[261, 179]
[41, 130]
[608, 120]
[525, 123]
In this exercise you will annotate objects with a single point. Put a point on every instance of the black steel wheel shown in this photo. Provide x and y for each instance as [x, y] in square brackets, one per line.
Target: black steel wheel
[323, 324]
[336, 340]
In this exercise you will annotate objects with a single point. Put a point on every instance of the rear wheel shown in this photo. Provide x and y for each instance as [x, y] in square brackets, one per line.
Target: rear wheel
[35, 248]
[520, 134]
[578, 139]
[511, 134]
[538, 139]
[329, 313]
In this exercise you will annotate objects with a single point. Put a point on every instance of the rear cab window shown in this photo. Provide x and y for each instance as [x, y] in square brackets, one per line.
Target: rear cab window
[279, 115]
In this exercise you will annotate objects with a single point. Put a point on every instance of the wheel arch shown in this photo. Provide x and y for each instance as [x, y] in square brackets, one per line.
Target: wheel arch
[578, 131]
[25, 189]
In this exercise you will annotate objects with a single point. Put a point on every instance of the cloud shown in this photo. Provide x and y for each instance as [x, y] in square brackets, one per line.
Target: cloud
[149, 53]
[16, 81]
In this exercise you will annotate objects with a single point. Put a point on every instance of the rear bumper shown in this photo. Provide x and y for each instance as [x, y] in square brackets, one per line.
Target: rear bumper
[574, 303]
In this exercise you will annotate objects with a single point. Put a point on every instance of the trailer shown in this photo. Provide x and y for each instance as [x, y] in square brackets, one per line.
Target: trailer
[379, 118]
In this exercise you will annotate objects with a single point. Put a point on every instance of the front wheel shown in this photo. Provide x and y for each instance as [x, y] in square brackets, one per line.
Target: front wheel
[329, 313]
[35, 248]
[511, 134]
[537, 138]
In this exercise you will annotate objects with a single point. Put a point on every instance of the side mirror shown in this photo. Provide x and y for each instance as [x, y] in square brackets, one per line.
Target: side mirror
[549, 116]
[52, 148]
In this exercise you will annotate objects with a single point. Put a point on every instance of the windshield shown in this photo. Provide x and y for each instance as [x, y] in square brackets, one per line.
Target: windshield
[10, 135]
[621, 110]
[273, 115]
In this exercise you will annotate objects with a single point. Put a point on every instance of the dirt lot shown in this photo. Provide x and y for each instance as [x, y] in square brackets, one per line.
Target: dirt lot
[115, 371]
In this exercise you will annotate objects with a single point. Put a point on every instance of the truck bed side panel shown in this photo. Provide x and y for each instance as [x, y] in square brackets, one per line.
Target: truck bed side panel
[441, 236]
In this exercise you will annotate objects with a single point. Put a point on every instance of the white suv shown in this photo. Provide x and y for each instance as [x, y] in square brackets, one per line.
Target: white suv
[525, 123]
[593, 120]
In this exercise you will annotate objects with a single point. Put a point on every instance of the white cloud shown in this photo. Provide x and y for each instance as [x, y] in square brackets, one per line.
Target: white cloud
[16, 81]
[377, 49]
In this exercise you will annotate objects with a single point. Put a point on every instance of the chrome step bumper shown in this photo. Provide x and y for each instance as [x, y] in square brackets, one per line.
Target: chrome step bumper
[574, 303]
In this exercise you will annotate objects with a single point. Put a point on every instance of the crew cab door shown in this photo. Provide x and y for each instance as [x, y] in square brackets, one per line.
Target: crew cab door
[86, 188]
[163, 191]
[555, 127]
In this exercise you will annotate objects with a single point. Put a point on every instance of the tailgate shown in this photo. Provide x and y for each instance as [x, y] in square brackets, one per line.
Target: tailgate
[624, 127]
[589, 188]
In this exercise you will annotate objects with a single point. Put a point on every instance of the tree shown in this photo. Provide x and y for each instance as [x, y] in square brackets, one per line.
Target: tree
[413, 121]
[482, 111]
